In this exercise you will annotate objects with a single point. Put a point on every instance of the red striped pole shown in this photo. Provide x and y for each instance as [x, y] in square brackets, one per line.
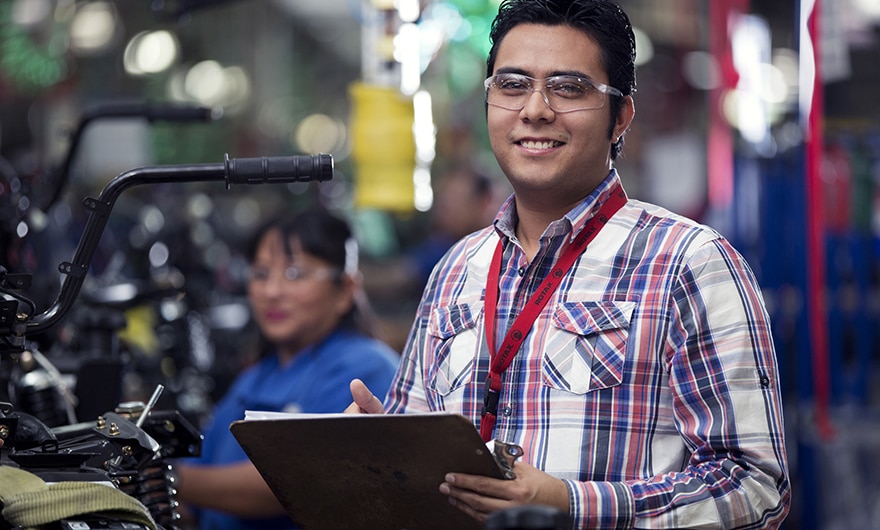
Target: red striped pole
[817, 316]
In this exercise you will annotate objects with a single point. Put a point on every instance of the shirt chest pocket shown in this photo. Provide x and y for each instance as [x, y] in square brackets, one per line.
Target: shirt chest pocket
[454, 344]
[586, 346]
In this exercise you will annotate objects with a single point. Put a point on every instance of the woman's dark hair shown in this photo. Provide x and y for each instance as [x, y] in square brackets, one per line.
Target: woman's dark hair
[602, 20]
[328, 237]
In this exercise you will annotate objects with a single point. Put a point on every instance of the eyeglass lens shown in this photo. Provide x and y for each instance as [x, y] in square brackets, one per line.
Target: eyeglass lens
[259, 274]
[561, 93]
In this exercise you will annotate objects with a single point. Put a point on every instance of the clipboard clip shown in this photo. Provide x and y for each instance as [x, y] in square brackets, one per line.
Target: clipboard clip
[505, 455]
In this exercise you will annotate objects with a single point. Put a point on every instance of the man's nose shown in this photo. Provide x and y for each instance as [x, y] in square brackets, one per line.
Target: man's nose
[540, 106]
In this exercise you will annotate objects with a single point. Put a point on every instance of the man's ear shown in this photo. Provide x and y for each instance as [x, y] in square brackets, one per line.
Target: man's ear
[624, 118]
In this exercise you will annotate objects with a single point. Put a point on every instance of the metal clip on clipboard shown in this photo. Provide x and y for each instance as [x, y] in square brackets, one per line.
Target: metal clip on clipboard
[505, 455]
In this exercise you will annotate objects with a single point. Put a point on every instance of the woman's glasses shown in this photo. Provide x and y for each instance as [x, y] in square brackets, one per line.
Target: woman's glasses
[292, 274]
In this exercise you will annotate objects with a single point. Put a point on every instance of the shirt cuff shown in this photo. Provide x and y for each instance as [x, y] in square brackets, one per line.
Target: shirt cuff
[601, 504]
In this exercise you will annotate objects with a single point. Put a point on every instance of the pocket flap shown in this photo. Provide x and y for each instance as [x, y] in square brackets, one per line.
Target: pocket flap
[589, 317]
[451, 320]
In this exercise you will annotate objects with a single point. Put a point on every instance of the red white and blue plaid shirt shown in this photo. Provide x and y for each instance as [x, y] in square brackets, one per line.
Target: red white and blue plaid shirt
[648, 383]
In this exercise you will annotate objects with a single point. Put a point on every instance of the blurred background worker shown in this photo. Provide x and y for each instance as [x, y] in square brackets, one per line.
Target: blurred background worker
[305, 293]
[465, 200]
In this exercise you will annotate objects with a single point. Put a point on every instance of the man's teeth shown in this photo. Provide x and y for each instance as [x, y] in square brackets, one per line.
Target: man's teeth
[538, 145]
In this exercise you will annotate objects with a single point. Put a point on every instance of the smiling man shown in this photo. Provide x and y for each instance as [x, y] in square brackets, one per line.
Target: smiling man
[625, 348]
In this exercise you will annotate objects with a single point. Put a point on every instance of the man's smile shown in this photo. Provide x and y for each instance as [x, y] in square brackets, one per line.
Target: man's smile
[539, 144]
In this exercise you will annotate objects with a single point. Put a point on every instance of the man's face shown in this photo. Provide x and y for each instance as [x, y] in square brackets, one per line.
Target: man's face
[552, 160]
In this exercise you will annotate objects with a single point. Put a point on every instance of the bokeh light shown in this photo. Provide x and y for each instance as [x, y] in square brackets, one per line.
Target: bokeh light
[151, 52]
[93, 28]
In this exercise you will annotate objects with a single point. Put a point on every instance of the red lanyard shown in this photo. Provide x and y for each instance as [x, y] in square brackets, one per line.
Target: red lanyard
[516, 335]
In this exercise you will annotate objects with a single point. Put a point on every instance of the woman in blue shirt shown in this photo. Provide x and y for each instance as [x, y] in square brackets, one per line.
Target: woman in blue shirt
[305, 294]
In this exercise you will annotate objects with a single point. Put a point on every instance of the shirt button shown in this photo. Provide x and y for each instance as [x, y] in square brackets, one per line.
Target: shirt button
[507, 411]
[521, 271]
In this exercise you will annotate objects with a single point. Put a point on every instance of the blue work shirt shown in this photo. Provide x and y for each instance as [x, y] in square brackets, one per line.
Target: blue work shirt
[315, 381]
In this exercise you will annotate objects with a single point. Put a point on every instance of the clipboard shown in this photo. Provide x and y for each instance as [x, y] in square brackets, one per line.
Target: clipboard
[375, 472]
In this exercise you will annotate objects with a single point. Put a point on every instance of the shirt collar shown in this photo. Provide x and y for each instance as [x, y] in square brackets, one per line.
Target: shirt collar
[572, 223]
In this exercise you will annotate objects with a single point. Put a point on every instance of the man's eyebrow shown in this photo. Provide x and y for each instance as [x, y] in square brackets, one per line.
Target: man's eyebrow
[514, 70]
[573, 73]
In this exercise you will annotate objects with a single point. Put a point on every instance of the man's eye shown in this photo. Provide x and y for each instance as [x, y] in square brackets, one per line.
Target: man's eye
[513, 84]
[569, 88]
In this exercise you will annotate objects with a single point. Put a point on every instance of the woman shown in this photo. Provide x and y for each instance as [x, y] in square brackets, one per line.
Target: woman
[305, 293]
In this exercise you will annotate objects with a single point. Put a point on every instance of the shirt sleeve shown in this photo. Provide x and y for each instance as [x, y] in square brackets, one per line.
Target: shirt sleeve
[218, 444]
[727, 409]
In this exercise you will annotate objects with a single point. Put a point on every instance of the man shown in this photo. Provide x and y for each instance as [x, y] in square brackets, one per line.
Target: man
[642, 383]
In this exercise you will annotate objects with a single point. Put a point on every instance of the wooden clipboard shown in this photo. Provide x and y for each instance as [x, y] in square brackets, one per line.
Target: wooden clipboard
[375, 472]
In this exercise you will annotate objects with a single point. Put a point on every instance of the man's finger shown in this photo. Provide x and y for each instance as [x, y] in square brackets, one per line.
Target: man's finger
[364, 399]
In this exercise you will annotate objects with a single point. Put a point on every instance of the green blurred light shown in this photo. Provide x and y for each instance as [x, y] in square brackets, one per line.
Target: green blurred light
[486, 8]
[479, 37]
[22, 61]
[469, 71]
[469, 53]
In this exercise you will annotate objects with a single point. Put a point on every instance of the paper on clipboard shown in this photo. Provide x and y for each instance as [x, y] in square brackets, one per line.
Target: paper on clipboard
[365, 471]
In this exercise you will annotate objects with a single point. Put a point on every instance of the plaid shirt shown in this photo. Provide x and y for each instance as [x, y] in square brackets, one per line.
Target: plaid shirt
[648, 383]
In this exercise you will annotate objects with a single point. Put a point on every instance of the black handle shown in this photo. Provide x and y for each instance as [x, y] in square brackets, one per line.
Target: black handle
[279, 169]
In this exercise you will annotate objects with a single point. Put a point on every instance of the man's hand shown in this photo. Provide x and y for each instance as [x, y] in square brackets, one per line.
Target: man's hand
[364, 400]
[479, 496]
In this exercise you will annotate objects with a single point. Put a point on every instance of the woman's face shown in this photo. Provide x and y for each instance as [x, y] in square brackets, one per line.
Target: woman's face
[296, 300]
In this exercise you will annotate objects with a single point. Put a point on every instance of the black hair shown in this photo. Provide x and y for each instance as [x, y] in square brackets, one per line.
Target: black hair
[327, 236]
[319, 232]
[602, 20]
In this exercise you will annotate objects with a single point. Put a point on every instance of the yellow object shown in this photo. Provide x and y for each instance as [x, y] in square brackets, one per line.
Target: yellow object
[383, 148]
[140, 329]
